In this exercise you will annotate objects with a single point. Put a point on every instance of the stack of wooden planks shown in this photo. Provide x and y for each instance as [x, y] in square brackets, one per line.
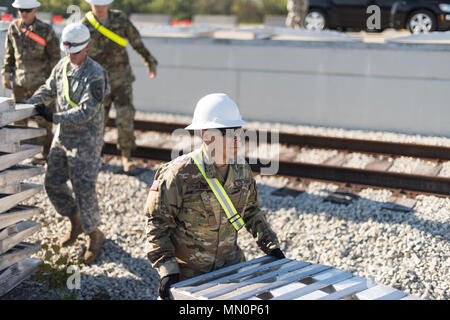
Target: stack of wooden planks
[15, 264]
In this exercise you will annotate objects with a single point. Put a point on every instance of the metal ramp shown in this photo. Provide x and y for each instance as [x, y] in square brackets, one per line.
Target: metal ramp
[267, 278]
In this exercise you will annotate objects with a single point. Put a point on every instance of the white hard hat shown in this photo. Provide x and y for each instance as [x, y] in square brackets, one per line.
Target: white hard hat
[216, 111]
[26, 4]
[99, 2]
[75, 37]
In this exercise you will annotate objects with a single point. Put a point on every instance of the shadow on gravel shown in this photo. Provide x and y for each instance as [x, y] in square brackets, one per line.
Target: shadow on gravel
[111, 286]
[358, 210]
[142, 174]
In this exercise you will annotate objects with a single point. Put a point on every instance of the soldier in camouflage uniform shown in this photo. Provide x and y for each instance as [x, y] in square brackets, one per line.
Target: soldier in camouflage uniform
[79, 86]
[32, 50]
[114, 58]
[188, 230]
[297, 11]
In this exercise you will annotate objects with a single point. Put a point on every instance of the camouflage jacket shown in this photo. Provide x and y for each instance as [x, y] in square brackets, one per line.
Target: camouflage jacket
[187, 229]
[113, 57]
[29, 62]
[88, 83]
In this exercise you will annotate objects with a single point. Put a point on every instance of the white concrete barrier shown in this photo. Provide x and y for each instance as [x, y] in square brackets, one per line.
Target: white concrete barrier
[394, 87]
[216, 20]
[44, 16]
[274, 21]
[142, 19]
[399, 87]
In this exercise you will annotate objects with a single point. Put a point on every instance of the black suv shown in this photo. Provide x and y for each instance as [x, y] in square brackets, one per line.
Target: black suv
[419, 16]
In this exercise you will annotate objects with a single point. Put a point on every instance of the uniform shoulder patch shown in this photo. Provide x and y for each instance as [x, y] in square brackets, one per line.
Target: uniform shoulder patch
[155, 185]
[97, 90]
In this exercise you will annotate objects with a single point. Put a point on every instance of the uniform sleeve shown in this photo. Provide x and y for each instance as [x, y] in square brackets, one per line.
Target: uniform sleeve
[163, 204]
[88, 105]
[135, 39]
[9, 61]
[256, 223]
[52, 49]
[46, 93]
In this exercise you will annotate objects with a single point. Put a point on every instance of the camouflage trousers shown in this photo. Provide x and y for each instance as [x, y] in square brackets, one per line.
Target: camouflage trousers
[21, 94]
[296, 16]
[122, 97]
[81, 166]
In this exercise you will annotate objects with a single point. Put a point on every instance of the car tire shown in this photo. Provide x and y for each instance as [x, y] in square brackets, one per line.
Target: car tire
[421, 21]
[315, 20]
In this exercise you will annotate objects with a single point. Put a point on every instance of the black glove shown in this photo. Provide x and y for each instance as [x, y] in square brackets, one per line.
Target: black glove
[45, 112]
[277, 253]
[166, 282]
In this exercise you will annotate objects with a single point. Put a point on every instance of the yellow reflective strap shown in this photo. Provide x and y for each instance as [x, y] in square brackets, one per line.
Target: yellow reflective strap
[233, 217]
[67, 87]
[105, 31]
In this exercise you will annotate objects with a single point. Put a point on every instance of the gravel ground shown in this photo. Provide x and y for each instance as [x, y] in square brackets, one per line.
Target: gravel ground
[122, 271]
[306, 155]
[407, 251]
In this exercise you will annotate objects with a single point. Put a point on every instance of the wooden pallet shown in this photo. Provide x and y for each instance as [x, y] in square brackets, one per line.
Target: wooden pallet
[17, 214]
[267, 278]
[6, 105]
[20, 112]
[13, 235]
[14, 275]
[19, 252]
[10, 147]
[14, 134]
[14, 229]
[19, 173]
[26, 151]
[27, 190]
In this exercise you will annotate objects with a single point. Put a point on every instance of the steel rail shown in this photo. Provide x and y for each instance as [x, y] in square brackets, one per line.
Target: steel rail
[384, 179]
[302, 140]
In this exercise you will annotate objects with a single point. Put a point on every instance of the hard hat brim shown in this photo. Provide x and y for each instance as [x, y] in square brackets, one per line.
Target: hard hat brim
[100, 3]
[216, 125]
[37, 5]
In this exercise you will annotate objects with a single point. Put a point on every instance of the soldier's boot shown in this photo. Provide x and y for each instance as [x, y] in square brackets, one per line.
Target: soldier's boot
[127, 163]
[96, 240]
[46, 151]
[75, 230]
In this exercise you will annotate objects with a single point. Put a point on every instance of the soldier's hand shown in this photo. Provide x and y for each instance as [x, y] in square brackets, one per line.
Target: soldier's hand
[164, 286]
[277, 253]
[45, 112]
[152, 74]
[6, 80]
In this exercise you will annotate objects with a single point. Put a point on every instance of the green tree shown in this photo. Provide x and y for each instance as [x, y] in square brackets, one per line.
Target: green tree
[58, 7]
[178, 9]
[275, 7]
[130, 6]
[213, 6]
[246, 10]
[250, 11]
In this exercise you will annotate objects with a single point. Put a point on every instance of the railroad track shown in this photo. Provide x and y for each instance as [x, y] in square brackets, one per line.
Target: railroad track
[375, 174]
[304, 140]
